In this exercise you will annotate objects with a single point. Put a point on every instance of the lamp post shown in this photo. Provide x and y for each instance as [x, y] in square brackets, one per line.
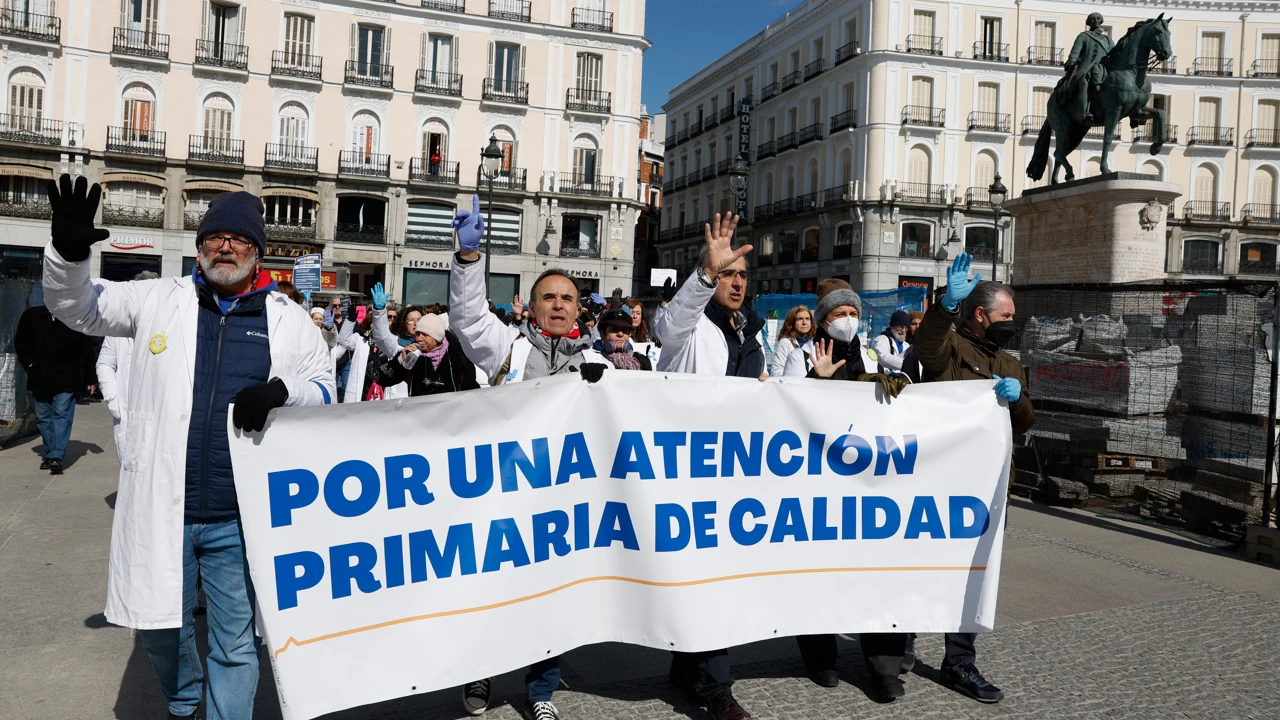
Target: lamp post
[490, 160]
[997, 193]
[738, 180]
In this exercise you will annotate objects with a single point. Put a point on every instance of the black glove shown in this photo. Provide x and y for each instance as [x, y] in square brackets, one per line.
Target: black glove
[72, 230]
[668, 290]
[592, 372]
[345, 304]
[254, 402]
[892, 385]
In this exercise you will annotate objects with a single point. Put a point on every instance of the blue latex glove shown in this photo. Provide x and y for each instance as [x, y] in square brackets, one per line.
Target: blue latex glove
[469, 225]
[379, 296]
[958, 283]
[597, 298]
[306, 295]
[328, 320]
[1008, 388]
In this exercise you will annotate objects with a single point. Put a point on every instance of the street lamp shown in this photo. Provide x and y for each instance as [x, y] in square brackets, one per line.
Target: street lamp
[738, 179]
[997, 193]
[490, 161]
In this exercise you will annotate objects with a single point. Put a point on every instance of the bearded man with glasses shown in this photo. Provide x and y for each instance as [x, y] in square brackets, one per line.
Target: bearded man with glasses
[222, 336]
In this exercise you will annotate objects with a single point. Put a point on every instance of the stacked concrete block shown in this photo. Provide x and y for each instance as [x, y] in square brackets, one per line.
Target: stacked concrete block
[1140, 383]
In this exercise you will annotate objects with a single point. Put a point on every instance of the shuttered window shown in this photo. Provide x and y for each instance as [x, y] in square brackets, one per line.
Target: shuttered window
[1270, 50]
[217, 118]
[1044, 34]
[1040, 101]
[1211, 45]
[918, 166]
[922, 23]
[506, 66]
[922, 91]
[26, 106]
[1268, 115]
[132, 194]
[298, 31]
[432, 221]
[1206, 184]
[293, 126]
[1264, 187]
[1208, 112]
[988, 98]
[984, 171]
[140, 15]
[506, 227]
[590, 70]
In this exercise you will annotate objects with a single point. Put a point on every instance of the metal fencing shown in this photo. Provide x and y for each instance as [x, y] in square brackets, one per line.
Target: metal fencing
[1154, 401]
[16, 418]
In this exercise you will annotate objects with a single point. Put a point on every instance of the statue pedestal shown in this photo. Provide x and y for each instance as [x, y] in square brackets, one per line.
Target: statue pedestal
[1104, 229]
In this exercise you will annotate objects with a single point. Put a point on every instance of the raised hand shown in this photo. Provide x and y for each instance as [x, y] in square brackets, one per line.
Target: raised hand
[720, 252]
[822, 356]
[379, 296]
[72, 210]
[668, 290]
[958, 283]
[469, 225]
[517, 307]
[328, 320]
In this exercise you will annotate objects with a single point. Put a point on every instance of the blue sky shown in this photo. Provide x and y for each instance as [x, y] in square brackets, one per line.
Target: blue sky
[687, 35]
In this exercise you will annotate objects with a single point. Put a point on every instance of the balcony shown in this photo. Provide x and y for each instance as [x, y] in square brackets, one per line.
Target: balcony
[434, 82]
[791, 80]
[790, 141]
[588, 100]
[811, 133]
[996, 52]
[722, 167]
[514, 179]
[363, 164]
[360, 233]
[585, 185]
[140, 43]
[597, 20]
[216, 53]
[1211, 135]
[1146, 132]
[671, 141]
[693, 229]
[1204, 210]
[1044, 55]
[977, 197]
[982, 254]
[924, 115]
[807, 202]
[571, 247]
[290, 229]
[1257, 267]
[287, 63]
[713, 119]
[135, 142]
[191, 219]
[216, 150]
[1168, 67]
[517, 10]
[1201, 267]
[441, 173]
[1211, 66]
[294, 158]
[848, 52]
[33, 208]
[924, 44]
[453, 6]
[838, 195]
[923, 193]
[769, 91]
[506, 91]
[428, 240]
[762, 213]
[1261, 214]
[30, 130]
[15, 22]
[1264, 137]
[131, 216]
[708, 173]
[815, 68]
[682, 182]
[916, 250]
[694, 177]
[728, 113]
[682, 135]
[989, 121]
[766, 149]
[1031, 124]
[784, 208]
[1266, 67]
[1098, 132]
[845, 120]
[363, 73]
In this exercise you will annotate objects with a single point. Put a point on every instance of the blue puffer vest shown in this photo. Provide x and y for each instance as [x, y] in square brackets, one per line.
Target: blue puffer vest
[232, 353]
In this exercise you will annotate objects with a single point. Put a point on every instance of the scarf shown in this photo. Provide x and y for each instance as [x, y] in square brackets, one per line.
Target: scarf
[550, 355]
[896, 346]
[622, 356]
[746, 357]
[435, 355]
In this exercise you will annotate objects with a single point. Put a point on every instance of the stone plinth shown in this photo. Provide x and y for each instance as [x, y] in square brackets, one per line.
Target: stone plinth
[1104, 229]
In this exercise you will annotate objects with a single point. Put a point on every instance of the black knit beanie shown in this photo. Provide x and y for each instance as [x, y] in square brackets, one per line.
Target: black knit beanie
[237, 212]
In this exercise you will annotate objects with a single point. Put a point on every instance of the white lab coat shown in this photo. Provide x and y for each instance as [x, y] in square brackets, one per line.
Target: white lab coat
[144, 585]
[801, 360]
[890, 357]
[113, 380]
[487, 341]
[691, 343]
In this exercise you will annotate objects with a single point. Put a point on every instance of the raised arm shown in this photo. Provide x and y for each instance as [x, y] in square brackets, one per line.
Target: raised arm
[485, 340]
[383, 338]
[674, 324]
[934, 343]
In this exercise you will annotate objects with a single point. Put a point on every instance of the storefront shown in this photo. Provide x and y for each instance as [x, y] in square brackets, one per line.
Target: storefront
[119, 267]
[21, 262]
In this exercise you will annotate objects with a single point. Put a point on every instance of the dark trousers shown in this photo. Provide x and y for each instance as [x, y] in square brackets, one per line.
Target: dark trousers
[882, 651]
[709, 671]
[959, 649]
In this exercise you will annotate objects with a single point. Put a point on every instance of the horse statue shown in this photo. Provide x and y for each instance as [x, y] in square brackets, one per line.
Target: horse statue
[1124, 92]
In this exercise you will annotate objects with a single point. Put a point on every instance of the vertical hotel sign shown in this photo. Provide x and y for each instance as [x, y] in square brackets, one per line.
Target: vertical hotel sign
[744, 150]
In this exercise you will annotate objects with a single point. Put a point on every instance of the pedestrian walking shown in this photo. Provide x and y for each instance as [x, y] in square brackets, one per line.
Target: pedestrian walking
[984, 312]
[59, 362]
[114, 362]
[221, 336]
[706, 330]
[796, 331]
[550, 343]
[616, 328]
[891, 345]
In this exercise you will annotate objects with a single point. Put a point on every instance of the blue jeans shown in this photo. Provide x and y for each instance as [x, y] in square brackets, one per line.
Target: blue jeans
[542, 679]
[54, 412]
[214, 552]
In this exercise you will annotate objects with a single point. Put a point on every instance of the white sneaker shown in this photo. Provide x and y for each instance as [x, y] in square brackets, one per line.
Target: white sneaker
[476, 696]
[541, 711]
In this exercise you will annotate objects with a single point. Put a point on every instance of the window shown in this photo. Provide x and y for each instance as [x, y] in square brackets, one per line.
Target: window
[1211, 46]
[141, 15]
[818, 49]
[1151, 167]
[581, 236]
[291, 211]
[922, 92]
[919, 168]
[439, 57]
[846, 167]
[298, 32]
[218, 115]
[1044, 36]
[991, 34]
[917, 240]
[815, 110]
[791, 120]
[922, 24]
[794, 60]
[1200, 256]
[843, 246]
[747, 85]
[700, 115]
[1206, 185]
[426, 287]
[364, 134]
[361, 219]
[988, 98]
[810, 251]
[138, 104]
[135, 195]
[851, 30]
[1258, 258]
[25, 191]
[590, 69]
[1208, 112]
[430, 225]
[773, 73]
[1264, 189]
[813, 176]
[1268, 121]
[980, 241]
[584, 159]
[222, 25]
[435, 144]
[26, 101]
[506, 141]
[1040, 102]
[506, 66]
[506, 229]
[198, 201]
[293, 127]
[790, 190]
[984, 172]
[370, 50]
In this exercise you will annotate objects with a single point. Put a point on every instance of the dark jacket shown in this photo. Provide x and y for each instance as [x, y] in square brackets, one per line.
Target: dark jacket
[746, 356]
[232, 353]
[57, 359]
[455, 372]
[959, 355]
[850, 352]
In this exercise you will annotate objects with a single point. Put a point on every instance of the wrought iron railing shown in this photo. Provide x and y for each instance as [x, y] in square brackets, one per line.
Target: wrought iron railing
[15, 22]
[572, 183]
[570, 247]
[1261, 213]
[598, 20]
[916, 250]
[807, 202]
[761, 213]
[837, 195]
[369, 74]
[846, 119]
[848, 51]
[977, 197]
[359, 162]
[1214, 66]
[142, 43]
[131, 216]
[454, 6]
[1258, 267]
[588, 100]
[295, 64]
[191, 219]
[31, 207]
[17, 127]
[790, 141]
[815, 68]
[722, 167]
[694, 177]
[712, 119]
[1044, 55]
[692, 229]
[518, 10]
[926, 44]
[995, 122]
[766, 149]
[1168, 66]
[728, 113]
[998, 52]
[682, 135]
[982, 254]
[290, 229]
[508, 91]
[924, 115]
[708, 173]
[301, 158]
[923, 192]
[428, 239]
[1206, 210]
[1211, 135]
[1266, 67]
[435, 82]
[506, 179]
[1146, 131]
[135, 141]
[222, 54]
[359, 233]
[810, 133]
[791, 80]
[1262, 137]
[1202, 267]
[784, 208]
[444, 172]
[222, 150]
[696, 128]
[841, 250]
[1032, 124]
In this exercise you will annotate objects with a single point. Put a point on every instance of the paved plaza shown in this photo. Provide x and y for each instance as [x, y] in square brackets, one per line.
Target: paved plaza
[1097, 619]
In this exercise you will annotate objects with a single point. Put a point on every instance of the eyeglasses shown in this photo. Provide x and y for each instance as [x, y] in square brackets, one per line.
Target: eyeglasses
[215, 242]
[730, 274]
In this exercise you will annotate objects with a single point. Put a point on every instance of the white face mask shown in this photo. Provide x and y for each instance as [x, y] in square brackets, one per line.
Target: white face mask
[843, 329]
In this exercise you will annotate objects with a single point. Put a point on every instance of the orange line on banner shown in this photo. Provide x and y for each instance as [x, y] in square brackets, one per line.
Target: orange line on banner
[292, 642]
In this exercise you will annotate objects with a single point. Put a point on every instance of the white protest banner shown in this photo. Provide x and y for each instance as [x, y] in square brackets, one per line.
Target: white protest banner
[432, 541]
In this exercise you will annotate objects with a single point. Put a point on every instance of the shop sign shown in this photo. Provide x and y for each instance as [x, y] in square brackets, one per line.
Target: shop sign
[328, 278]
[131, 242]
[429, 264]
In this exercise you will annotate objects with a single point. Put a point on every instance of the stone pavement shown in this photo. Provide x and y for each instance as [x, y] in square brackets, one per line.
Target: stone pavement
[1097, 619]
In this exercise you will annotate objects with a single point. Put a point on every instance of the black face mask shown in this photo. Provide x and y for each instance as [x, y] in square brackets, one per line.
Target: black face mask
[1001, 332]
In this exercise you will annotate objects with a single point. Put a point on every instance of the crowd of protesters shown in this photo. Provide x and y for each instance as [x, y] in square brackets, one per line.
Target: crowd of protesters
[182, 350]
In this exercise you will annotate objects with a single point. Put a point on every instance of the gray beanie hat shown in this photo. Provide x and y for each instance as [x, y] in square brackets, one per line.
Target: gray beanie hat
[835, 299]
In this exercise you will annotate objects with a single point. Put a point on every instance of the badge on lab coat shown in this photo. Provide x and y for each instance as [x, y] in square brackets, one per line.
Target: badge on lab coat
[157, 344]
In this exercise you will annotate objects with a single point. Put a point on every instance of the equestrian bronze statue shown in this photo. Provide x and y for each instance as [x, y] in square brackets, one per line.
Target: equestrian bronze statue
[1102, 85]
